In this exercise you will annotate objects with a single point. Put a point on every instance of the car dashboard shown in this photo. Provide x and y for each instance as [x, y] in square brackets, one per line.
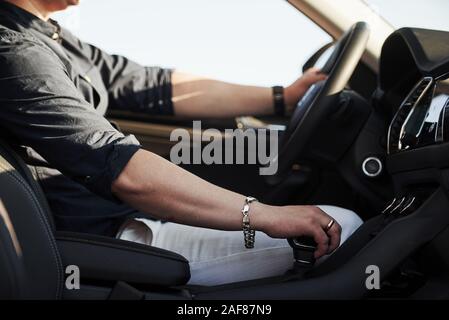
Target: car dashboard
[422, 118]
[414, 65]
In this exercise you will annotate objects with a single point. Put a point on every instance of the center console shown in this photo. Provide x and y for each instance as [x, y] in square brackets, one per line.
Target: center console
[422, 119]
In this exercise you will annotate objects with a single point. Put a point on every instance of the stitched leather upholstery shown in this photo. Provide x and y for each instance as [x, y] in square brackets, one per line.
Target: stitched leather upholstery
[103, 258]
[31, 266]
[28, 244]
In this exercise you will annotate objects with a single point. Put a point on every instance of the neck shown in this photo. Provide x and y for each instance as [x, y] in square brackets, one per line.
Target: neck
[33, 7]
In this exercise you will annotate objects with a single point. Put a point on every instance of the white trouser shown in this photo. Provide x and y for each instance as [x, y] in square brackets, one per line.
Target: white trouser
[218, 257]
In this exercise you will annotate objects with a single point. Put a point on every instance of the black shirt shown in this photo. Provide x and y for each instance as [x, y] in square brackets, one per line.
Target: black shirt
[54, 93]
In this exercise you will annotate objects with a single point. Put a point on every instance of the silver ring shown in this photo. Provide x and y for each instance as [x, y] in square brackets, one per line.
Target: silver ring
[330, 225]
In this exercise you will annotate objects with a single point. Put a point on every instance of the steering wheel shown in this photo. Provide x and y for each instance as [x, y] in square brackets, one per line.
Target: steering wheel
[319, 99]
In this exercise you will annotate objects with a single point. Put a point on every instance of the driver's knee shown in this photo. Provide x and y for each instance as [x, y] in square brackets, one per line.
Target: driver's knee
[347, 219]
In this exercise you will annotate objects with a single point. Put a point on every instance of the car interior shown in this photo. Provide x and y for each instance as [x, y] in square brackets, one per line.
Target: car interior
[377, 144]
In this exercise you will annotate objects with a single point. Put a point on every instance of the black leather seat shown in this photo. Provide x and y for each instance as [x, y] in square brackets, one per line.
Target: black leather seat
[102, 258]
[33, 256]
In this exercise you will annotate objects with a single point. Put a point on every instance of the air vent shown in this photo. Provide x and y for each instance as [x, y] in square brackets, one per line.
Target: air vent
[414, 98]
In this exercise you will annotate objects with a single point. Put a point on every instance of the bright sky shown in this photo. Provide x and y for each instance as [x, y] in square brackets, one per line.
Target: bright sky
[263, 42]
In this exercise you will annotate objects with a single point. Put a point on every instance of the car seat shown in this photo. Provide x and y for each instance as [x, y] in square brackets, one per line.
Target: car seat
[34, 257]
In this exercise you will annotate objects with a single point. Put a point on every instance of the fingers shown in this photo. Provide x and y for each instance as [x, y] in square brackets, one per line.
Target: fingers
[334, 234]
[312, 222]
[314, 77]
[315, 71]
[322, 241]
[321, 76]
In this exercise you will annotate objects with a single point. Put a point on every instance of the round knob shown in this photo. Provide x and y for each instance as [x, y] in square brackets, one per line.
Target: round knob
[372, 167]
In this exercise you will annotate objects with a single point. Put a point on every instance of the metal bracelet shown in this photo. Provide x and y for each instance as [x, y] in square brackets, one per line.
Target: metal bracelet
[249, 234]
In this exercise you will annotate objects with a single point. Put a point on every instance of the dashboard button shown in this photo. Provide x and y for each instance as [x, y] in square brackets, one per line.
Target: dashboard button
[372, 167]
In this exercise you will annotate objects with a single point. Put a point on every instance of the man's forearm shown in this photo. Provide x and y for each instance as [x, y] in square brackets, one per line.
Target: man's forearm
[165, 191]
[155, 186]
[201, 97]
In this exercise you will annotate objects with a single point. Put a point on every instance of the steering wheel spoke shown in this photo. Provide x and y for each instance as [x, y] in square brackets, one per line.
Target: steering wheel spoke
[321, 97]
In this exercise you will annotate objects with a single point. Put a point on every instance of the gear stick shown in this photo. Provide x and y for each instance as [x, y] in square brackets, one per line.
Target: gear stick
[303, 251]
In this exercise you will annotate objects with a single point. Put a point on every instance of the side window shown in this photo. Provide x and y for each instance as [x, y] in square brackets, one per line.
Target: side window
[260, 42]
[430, 14]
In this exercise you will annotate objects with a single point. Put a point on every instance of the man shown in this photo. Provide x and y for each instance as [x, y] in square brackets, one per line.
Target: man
[54, 93]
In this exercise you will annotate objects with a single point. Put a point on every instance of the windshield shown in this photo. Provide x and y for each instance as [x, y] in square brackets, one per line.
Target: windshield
[256, 42]
[428, 14]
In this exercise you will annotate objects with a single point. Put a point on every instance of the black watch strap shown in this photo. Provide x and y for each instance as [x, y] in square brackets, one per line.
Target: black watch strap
[278, 100]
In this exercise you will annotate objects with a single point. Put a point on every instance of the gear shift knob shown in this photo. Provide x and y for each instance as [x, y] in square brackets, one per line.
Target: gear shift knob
[303, 250]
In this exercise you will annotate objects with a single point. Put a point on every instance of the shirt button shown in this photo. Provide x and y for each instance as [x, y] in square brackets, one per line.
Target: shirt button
[55, 36]
[161, 102]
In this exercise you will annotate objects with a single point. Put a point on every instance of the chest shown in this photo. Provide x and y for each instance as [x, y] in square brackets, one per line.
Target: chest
[85, 75]
[88, 80]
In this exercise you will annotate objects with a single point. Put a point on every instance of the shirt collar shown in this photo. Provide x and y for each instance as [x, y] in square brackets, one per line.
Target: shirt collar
[49, 28]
